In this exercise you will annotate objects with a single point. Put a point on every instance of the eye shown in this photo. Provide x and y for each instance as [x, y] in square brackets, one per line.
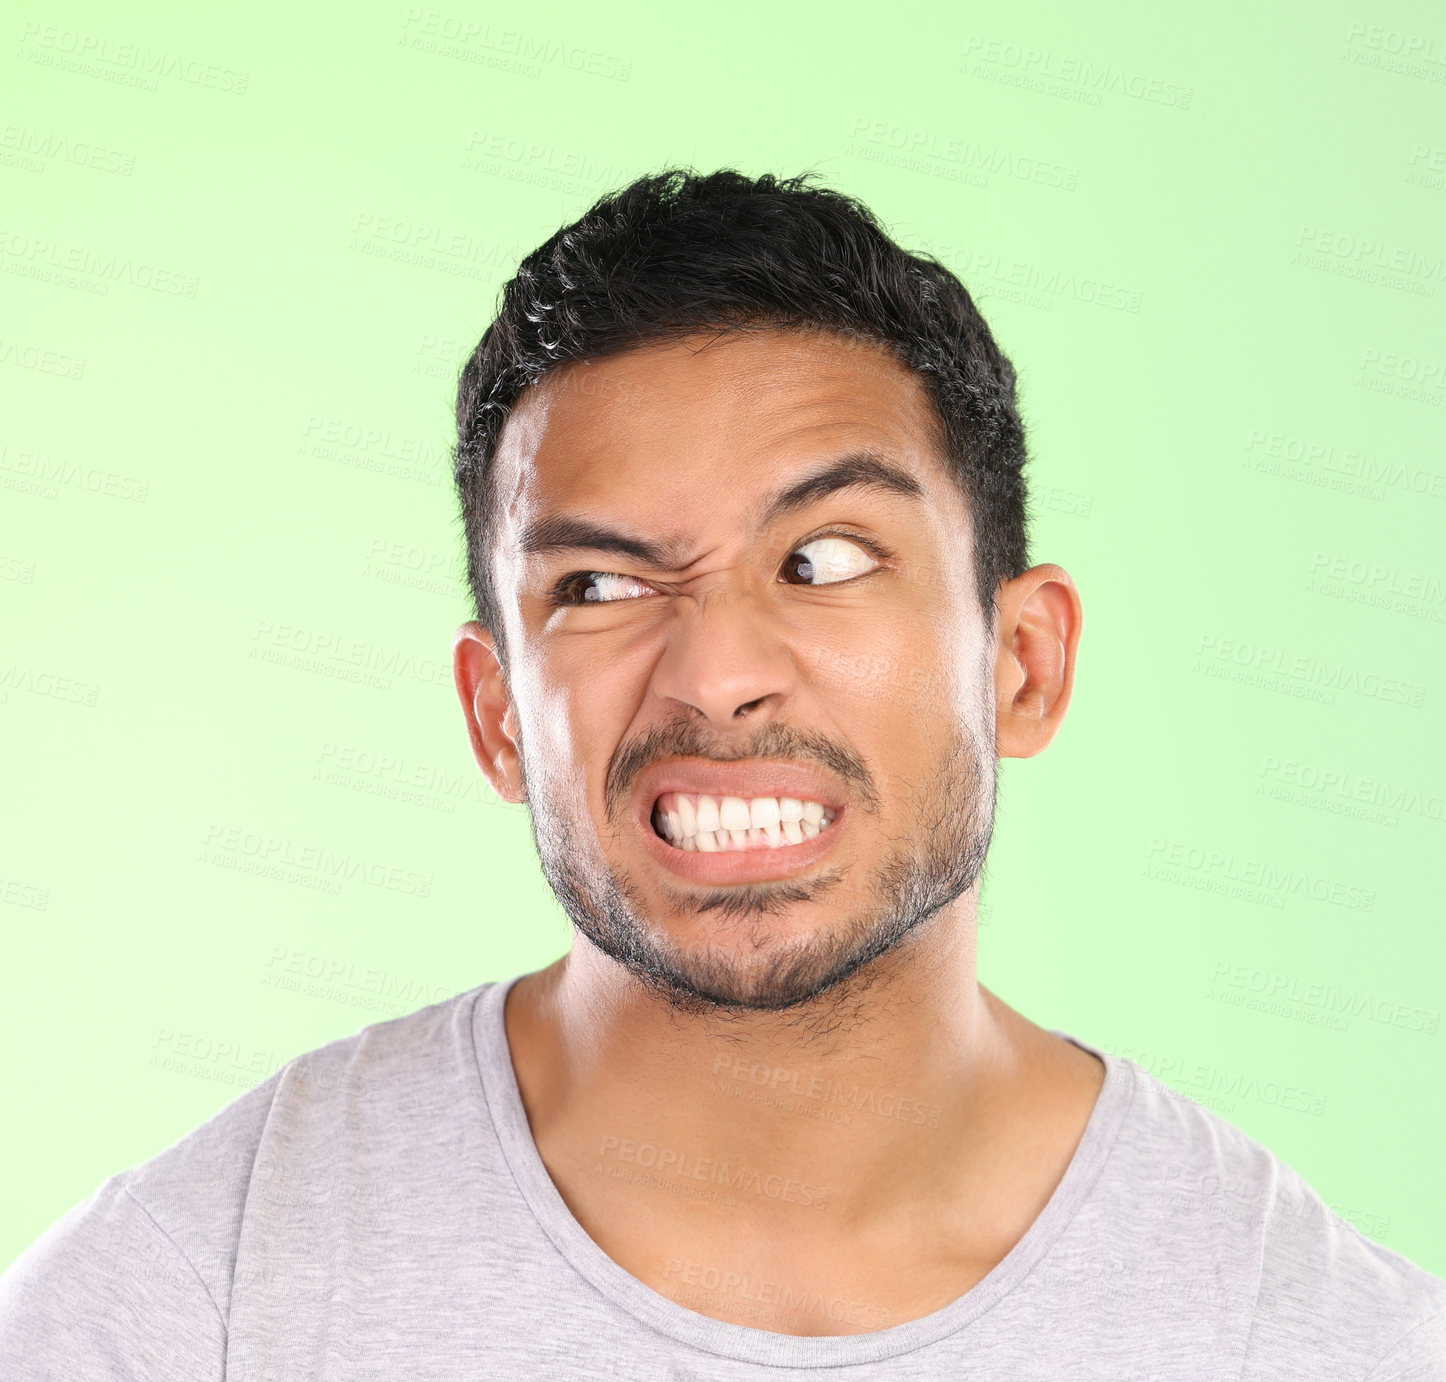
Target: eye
[827, 560]
[605, 587]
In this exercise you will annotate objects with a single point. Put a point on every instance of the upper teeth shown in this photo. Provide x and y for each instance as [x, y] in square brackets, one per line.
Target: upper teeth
[697, 821]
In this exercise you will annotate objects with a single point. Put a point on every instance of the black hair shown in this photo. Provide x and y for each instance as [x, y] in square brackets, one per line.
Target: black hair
[678, 252]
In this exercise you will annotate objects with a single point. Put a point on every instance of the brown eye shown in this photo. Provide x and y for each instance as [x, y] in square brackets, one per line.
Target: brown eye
[826, 560]
[604, 587]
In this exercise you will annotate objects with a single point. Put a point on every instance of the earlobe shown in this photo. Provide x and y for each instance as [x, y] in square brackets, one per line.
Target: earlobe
[1040, 620]
[488, 710]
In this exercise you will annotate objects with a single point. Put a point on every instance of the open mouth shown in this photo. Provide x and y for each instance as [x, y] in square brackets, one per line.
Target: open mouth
[697, 822]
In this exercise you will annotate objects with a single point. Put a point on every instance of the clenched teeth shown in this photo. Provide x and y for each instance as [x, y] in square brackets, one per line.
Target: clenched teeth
[696, 821]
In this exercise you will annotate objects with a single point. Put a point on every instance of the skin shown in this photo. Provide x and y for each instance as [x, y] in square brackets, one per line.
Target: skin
[746, 1023]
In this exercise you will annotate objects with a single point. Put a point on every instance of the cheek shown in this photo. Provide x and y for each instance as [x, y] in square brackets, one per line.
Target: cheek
[547, 710]
[901, 669]
[571, 724]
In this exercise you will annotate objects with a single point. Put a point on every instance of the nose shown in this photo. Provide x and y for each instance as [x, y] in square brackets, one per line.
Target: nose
[725, 660]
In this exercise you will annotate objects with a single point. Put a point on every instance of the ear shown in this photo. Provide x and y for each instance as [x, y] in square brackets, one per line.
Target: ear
[488, 709]
[1039, 621]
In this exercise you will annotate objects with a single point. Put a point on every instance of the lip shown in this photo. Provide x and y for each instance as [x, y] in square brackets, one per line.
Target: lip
[755, 778]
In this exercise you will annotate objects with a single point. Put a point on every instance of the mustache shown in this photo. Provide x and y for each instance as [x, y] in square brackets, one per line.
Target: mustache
[688, 739]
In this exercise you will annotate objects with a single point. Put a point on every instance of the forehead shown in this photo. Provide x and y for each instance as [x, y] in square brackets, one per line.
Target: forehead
[681, 431]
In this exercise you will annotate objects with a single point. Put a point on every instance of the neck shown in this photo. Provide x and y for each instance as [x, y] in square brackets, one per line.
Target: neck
[864, 1097]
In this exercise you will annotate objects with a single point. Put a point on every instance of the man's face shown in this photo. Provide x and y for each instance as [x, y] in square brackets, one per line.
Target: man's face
[688, 642]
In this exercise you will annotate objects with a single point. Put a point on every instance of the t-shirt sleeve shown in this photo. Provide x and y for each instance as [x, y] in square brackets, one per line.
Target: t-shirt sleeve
[1418, 1357]
[104, 1295]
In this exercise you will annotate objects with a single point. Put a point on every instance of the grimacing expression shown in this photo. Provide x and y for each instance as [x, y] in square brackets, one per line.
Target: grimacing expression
[737, 566]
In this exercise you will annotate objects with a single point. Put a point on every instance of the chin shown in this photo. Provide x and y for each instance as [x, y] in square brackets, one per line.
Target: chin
[756, 963]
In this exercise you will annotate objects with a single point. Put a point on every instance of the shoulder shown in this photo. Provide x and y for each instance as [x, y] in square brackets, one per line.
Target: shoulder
[154, 1247]
[277, 1144]
[106, 1293]
[1313, 1286]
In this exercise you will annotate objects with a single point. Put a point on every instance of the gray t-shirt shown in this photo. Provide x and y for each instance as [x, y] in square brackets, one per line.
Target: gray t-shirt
[377, 1210]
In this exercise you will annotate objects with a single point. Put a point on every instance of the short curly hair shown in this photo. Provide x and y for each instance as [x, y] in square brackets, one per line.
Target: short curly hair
[679, 252]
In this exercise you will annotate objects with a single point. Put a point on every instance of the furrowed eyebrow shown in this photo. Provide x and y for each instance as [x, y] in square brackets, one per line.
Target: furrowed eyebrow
[857, 470]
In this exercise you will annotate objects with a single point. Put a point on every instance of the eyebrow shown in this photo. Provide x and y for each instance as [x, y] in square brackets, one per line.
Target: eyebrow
[863, 469]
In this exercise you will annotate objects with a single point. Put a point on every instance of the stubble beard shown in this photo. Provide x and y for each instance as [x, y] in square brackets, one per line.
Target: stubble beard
[745, 966]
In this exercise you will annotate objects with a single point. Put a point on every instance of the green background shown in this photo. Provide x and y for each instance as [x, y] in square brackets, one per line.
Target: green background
[244, 255]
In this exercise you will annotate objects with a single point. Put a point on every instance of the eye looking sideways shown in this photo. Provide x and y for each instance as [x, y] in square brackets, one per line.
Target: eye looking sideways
[828, 559]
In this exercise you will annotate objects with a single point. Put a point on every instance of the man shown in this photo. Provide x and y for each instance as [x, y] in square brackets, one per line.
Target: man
[745, 514]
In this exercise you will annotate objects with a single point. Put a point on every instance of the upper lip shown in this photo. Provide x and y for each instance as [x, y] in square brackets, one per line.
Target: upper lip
[746, 778]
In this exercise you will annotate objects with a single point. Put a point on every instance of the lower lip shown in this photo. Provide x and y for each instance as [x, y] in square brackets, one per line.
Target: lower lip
[757, 865]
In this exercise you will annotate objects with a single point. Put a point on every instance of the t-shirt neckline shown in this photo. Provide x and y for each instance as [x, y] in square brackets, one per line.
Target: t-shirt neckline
[743, 1342]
